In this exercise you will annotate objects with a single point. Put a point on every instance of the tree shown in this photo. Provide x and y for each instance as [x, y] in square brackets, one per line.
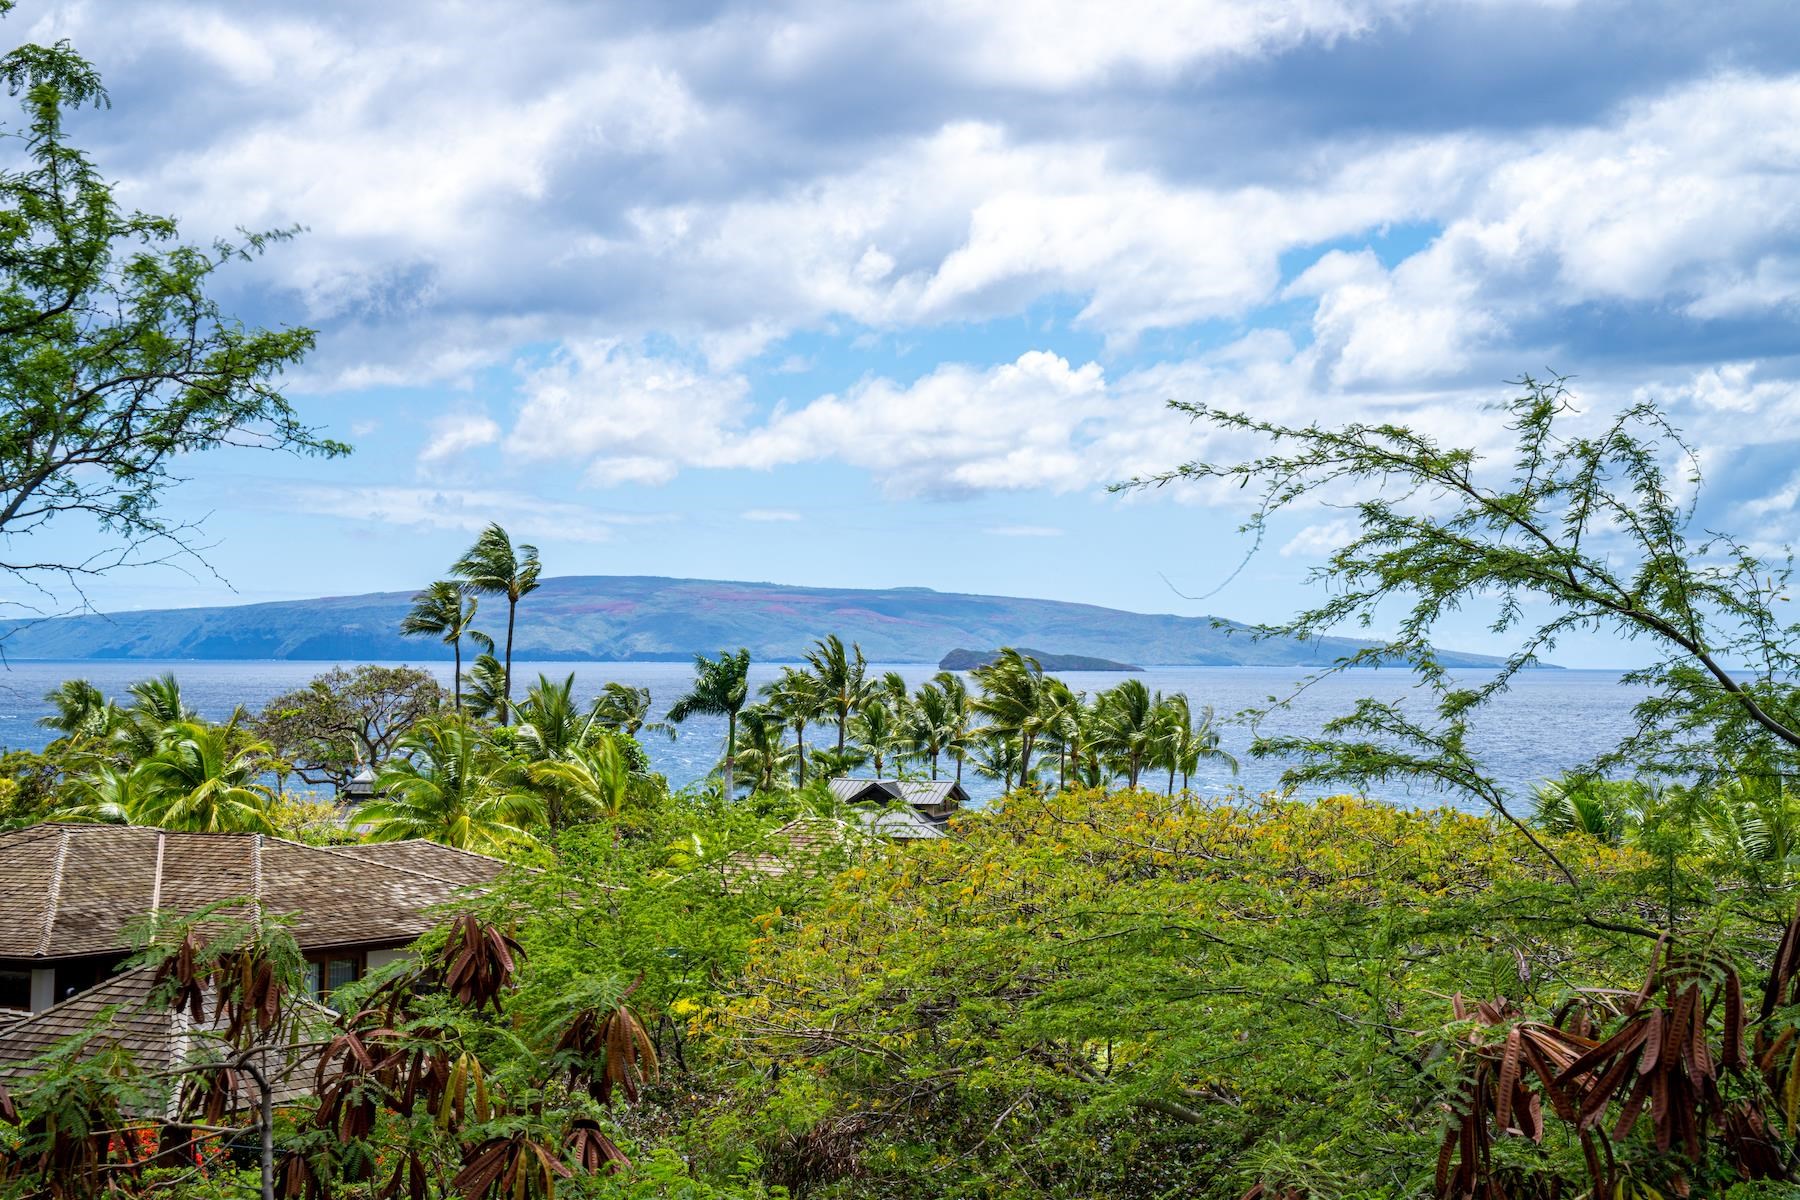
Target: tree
[843, 679]
[962, 715]
[761, 749]
[1127, 727]
[205, 779]
[344, 720]
[934, 723]
[879, 731]
[116, 361]
[1183, 742]
[625, 709]
[795, 699]
[156, 708]
[81, 710]
[449, 784]
[1012, 694]
[446, 611]
[1584, 529]
[487, 689]
[720, 688]
[550, 722]
[494, 566]
[594, 779]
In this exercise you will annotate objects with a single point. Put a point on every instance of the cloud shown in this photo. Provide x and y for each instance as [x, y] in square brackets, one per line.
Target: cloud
[1023, 531]
[452, 435]
[464, 510]
[769, 515]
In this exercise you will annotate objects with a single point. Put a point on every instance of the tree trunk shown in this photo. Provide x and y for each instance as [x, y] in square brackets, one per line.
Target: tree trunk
[934, 760]
[800, 745]
[730, 754]
[843, 718]
[456, 683]
[1171, 781]
[1024, 758]
[512, 610]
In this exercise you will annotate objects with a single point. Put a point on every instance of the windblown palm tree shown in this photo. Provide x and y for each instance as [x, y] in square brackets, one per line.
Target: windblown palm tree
[763, 754]
[626, 709]
[487, 688]
[961, 708]
[879, 731]
[1061, 714]
[446, 611]
[447, 783]
[843, 679]
[1012, 695]
[996, 755]
[934, 723]
[205, 779]
[147, 722]
[81, 710]
[720, 688]
[796, 701]
[1185, 742]
[494, 566]
[1128, 727]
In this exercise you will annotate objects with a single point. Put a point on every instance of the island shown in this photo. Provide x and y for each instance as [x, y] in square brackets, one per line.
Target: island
[968, 660]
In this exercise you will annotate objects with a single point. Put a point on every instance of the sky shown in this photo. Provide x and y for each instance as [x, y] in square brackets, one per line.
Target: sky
[886, 295]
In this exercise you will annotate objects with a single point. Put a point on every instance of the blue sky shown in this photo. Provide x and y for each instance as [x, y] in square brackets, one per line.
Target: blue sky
[852, 294]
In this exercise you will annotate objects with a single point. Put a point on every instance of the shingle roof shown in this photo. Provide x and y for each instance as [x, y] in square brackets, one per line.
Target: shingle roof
[120, 1009]
[943, 795]
[70, 890]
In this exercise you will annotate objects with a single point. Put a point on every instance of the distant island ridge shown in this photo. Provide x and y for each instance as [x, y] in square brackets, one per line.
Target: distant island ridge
[969, 660]
[650, 618]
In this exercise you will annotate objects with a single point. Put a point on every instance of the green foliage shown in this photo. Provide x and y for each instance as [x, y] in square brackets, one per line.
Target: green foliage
[344, 720]
[115, 358]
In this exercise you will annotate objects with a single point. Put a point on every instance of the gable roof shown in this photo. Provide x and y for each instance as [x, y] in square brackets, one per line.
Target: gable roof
[121, 1013]
[71, 890]
[941, 795]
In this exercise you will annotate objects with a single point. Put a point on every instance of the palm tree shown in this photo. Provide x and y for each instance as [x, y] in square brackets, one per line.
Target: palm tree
[593, 779]
[795, 699]
[446, 611]
[550, 723]
[107, 793]
[82, 710]
[1128, 726]
[493, 565]
[1012, 693]
[1609, 811]
[996, 755]
[1061, 712]
[624, 709]
[487, 688]
[720, 688]
[961, 711]
[145, 725]
[842, 676]
[761, 750]
[205, 779]
[447, 783]
[934, 724]
[1185, 741]
[878, 730]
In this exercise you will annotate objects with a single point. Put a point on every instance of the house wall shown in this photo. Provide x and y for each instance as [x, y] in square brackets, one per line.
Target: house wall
[381, 958]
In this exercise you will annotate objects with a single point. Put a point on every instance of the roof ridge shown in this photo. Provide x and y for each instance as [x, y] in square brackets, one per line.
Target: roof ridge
[54, 891]
[341, 852]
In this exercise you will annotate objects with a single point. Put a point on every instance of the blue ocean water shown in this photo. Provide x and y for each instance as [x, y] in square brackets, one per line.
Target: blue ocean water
[1550, 721]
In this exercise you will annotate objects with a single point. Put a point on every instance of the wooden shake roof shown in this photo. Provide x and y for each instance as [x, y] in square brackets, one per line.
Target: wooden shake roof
[71, 890]
[120, 1012]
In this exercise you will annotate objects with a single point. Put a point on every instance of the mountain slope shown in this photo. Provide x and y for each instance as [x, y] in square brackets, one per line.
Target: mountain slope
[644, 617]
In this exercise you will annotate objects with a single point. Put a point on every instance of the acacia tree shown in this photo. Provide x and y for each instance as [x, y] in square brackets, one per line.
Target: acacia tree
[1591, 526]
[344, 720]
[115, 359]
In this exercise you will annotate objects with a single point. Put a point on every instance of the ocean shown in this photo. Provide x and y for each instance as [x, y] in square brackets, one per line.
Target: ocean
[1549, 722]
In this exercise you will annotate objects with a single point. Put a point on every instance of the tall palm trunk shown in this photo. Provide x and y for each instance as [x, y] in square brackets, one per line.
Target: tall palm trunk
[512, 611]
[934, 758]
[730, 755]
[800, 749]
[1171, 781]
[456, 683]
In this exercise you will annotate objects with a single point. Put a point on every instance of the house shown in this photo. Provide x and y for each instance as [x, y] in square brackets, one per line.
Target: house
[70, 896]
[807, 841]
[934, 799]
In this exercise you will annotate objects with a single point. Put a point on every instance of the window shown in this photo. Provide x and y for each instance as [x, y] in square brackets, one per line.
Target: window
[326, 973]
[15, 989]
